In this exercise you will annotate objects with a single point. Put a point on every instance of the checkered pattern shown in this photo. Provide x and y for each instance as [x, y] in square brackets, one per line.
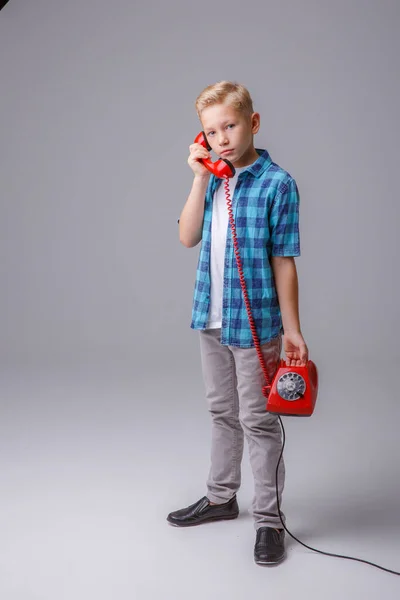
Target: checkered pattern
[265, 208]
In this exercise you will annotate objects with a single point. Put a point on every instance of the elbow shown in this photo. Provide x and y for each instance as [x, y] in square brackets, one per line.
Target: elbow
[190, 237]
[184, 242]
[187, 243]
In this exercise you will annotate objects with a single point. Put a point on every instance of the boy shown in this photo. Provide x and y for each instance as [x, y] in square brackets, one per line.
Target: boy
[265, 204]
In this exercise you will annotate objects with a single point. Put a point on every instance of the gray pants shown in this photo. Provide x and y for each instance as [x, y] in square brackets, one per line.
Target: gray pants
[233, 380]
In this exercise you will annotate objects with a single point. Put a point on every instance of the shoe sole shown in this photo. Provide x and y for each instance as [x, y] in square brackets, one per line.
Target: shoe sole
[270, 563]
[208, 520]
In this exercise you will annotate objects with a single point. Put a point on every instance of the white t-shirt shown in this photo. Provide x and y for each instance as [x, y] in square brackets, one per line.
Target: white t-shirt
[219, 229]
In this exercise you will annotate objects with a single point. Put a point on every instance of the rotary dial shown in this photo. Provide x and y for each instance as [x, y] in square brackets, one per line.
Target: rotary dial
[291, 386]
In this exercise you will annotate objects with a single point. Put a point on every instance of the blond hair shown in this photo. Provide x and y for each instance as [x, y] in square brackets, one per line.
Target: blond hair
[231, 92]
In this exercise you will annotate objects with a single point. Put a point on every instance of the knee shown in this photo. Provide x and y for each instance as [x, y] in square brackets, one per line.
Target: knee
[259, 422]
[220, 409]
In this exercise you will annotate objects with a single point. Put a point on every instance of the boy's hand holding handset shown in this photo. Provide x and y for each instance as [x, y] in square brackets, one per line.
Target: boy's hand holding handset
[198, 153]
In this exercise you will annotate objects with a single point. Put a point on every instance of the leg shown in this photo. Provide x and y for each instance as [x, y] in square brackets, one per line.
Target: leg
[262, 430]
[220, 382]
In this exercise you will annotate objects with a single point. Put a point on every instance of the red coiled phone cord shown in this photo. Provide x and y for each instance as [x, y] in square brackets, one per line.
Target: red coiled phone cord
[266, 388]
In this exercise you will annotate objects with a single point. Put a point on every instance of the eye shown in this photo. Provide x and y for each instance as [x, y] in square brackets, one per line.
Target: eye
[231, 125]
[210, 133]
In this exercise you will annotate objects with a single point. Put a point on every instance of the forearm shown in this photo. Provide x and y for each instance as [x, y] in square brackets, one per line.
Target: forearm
[191, 219]
[286, 282]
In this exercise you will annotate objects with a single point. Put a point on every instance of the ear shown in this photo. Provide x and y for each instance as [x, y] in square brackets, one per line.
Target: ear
[255, 122]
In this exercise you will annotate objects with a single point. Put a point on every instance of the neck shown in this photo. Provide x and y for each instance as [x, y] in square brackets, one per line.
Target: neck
[247, 159]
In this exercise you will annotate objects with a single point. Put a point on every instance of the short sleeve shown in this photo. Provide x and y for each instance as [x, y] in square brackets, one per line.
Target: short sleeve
[284, 221]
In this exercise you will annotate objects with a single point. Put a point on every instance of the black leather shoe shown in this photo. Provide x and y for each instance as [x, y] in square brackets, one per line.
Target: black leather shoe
[202, 512]
[269, 548]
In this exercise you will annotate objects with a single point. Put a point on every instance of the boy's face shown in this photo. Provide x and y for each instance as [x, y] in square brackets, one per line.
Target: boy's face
[230, 133]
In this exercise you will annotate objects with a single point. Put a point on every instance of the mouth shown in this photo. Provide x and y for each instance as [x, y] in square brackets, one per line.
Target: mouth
[226, 152]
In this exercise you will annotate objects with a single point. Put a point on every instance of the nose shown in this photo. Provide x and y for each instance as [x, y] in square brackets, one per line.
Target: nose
[223, 140]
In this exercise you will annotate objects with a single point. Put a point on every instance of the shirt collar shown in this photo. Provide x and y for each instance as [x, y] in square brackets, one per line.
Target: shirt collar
[256, 169]
[261, 164]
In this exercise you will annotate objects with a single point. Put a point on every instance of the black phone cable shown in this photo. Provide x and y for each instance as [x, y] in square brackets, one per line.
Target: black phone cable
[295, 538]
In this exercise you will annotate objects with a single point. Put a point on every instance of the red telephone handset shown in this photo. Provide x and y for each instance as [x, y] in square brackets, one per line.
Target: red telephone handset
[220, 168]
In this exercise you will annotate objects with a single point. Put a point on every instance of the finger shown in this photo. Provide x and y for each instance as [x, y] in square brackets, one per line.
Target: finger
[304, 354]
[197, 148]
[200, 153]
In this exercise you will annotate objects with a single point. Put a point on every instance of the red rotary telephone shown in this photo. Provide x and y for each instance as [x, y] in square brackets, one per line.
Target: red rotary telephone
[294, 390]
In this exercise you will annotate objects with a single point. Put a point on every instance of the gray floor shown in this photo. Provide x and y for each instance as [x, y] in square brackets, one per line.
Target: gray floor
[92, 459]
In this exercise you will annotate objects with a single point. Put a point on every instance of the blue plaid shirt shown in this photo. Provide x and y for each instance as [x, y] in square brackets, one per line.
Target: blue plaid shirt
[265, 206]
